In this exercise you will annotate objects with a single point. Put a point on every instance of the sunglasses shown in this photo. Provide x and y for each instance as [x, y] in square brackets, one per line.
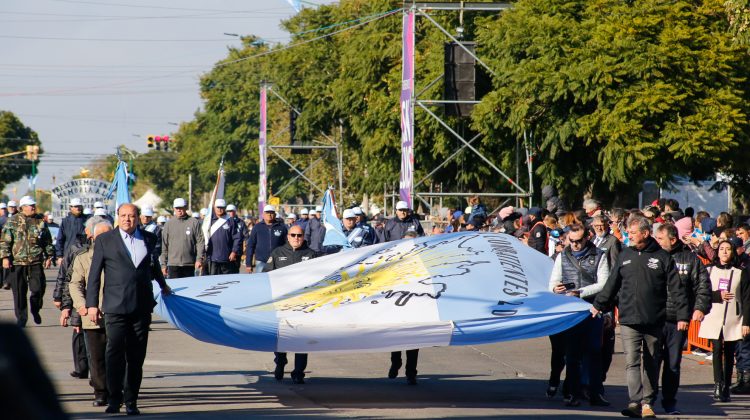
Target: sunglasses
[296, 235]
[576, 241]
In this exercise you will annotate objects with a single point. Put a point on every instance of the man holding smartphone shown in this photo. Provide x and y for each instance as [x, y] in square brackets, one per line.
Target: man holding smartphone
[581, 270]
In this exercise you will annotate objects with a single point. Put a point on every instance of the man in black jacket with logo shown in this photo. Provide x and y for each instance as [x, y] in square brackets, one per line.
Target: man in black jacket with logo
[126, 256]
[266, 236]
[697, 285]
[642, 275]
[294, 251]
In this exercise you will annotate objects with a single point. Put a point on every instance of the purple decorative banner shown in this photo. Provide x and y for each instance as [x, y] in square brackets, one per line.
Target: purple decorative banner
[406, 181]
[262, 153]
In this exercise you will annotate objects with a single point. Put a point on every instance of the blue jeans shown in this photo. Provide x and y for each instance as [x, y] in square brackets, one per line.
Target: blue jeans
[259, 266]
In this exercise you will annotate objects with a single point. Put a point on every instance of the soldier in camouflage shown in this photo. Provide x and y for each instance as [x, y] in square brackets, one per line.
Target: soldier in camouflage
[26, 247]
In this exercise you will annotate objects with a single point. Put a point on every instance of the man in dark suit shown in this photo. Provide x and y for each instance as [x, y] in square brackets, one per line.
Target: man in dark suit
[126, 256]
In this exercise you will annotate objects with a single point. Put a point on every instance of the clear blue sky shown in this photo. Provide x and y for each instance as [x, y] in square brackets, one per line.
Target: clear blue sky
[88, 75]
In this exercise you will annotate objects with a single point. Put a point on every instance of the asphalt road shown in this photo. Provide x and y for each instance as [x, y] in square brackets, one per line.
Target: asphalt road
[188, 379]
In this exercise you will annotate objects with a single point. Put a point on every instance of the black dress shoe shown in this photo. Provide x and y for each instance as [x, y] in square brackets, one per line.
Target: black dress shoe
[37, 318]
[298, 380]
[99, 403]
[599, 401]
[393, 371]
[113, 409]
[411, 380]
[131, 409]
[79, 375]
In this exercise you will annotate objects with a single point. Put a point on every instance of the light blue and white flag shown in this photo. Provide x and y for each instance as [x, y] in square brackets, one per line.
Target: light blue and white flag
[334, 229]
[296, 4]
[461, 288]
[120, 186]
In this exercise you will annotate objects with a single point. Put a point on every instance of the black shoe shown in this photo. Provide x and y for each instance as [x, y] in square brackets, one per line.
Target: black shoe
[411, 380]
[278, 373]
[551, 391]
[573, 402]
[113, 409]
[717, 391]
[393, 371]
[79, 375]
[99, 403]
[298, 380]
[725, 393]
[37, 318]
[633, 411]
[6, 286]
[132, 409]
[599, 401]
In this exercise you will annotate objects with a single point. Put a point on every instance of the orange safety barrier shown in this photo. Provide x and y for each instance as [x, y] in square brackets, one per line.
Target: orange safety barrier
[694, 341]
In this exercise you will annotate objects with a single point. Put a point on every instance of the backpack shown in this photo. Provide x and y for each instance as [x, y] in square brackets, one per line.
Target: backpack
[478, 215]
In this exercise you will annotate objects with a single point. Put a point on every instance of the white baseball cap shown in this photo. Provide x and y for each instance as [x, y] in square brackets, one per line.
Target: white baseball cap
[401, 205]
[161, 219]
[204, 211]
[291, 216]
[358, 211]
[318, 208]
[467, 210]
[98, 205]
[220, 203]
[196, 215]
[12, 203]
[313, 212]
[349, 213]
[3, 206]
[179, 202]
[147, 211]
[51, 218]
[304, 211]
[75, 202]
[27, 201]
[269, 208]
[100, 212]
[87, 211]
[231, 207]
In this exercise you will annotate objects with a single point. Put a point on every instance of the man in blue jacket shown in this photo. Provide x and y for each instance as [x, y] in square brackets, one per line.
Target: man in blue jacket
[223, 241]
[70, 228]
[266, 236]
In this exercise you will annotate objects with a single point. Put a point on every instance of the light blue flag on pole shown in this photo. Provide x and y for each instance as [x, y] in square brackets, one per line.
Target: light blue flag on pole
[296, 4]
[463, 288]
[334, 229]
[120, 186]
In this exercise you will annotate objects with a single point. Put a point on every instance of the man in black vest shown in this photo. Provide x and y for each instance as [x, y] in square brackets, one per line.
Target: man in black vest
[126, 256]
[294, 251]
[581, 270]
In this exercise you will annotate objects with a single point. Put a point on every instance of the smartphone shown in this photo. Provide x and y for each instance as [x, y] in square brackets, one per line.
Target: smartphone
[569, 286]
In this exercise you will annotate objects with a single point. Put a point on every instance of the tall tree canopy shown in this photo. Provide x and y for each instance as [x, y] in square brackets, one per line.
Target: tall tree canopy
[14, 137]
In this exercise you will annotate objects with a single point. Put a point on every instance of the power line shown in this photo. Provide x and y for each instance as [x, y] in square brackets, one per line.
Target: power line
[162, 7]
[49, 38]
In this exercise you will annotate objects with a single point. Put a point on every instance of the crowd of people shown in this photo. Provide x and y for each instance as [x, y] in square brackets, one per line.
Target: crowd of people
[651, 271]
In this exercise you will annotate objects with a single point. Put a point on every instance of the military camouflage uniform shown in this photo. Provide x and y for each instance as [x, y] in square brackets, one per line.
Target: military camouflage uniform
[27, 242]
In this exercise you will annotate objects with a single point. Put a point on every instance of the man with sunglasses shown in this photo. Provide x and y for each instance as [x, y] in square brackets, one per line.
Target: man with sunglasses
[26, 249]
[293, 252]
[581, 270]
[403, 222]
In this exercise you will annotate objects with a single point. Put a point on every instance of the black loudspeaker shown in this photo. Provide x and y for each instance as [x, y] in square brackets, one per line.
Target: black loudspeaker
[464, 80]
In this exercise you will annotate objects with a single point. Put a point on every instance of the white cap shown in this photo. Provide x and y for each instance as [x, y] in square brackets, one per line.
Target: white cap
[196, 215]
[51, 218]
[179, 202]
[100, 212]
[147, 211]
[12, 203]
[468, 210]
[401, 205]
[231, 207]
[291, 216]
[161, 219]
[349, 213]
[74, 202]
[304, 211]
[27, 201]
[87, 211]
[98, 205]
[220, 203]
[313, 212]
[203, 211]
[268, 208]
[318, 208]
[3, 206]
[358, 211]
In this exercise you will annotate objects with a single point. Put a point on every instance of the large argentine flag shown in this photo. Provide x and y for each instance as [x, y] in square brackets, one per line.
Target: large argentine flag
[454, 289]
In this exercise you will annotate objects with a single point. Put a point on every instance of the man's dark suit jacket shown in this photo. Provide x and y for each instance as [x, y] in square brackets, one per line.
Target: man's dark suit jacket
[128, 288]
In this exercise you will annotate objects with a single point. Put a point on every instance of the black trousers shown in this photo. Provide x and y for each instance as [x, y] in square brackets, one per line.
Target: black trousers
[723, 360]
[96, 344]
[608, 344]
[670, 355]
[220, 268]
[127, 339]
[300, 363]
[5, 277]
[180, 271]
[584, 346]
[557, 358]
[412, 356]
[80, 358]
[25, 279]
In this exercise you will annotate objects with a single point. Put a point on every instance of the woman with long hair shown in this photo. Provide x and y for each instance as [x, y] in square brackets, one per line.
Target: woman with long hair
[729, 319]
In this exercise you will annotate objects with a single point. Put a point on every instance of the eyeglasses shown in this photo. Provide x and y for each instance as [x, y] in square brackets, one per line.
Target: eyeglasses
[296, 235]
[576, 241]
[598, 226]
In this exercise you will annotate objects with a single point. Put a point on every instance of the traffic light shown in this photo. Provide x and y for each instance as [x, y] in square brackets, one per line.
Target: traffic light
[165, 140]
[150, 141]
[32, 153]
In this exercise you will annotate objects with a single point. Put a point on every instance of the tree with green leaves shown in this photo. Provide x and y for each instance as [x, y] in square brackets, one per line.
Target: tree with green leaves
[618, 92]
[14, 137]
